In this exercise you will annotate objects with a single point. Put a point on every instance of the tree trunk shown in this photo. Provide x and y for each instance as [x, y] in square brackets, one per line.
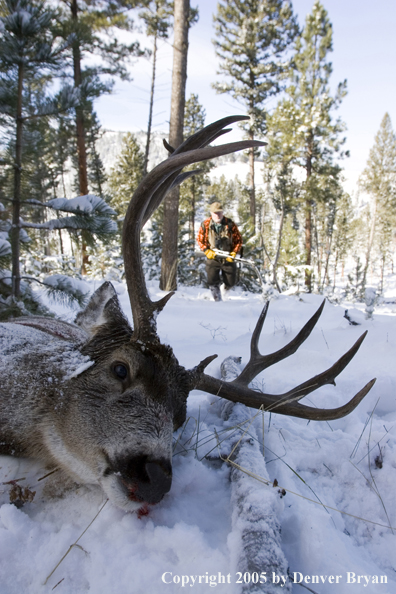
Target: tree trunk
[370, 243]
[382, 273]
[16, 209]
[318, 247]
[192, 215]
[80, 130]
[308, 217]
[326, 276]
[335, 270]
[168, 280]
[62, 251]
[261, 239]
[308, 244]
[252, 187]
[150, 120]
[278, 249]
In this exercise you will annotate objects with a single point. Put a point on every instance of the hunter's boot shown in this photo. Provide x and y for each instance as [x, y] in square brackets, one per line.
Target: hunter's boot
[215, 290]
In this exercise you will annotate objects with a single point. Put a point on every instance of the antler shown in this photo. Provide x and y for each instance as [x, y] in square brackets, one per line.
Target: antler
[287, 403]
[145, 200]
[147, 197]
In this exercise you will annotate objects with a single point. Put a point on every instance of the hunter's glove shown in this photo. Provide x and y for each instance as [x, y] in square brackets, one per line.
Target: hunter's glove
[232, 257]
[210, 254]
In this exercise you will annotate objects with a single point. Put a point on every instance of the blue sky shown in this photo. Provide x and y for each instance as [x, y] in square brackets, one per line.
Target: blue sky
[364, 53]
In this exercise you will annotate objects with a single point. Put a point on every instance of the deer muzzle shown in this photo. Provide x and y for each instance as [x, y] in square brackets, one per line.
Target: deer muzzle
[146, 480]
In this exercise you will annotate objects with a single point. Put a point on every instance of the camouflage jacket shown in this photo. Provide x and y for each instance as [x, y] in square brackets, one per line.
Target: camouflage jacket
[227, 238]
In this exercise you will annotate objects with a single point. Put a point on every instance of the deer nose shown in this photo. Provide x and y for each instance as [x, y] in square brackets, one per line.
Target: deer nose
[160, 476]
[146, 479]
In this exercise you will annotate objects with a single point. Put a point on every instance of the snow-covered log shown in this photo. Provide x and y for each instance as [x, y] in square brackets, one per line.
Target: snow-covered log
[255, 540]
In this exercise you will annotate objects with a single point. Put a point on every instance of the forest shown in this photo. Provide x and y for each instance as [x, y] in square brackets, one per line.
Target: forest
[61, 210]
[148, 453]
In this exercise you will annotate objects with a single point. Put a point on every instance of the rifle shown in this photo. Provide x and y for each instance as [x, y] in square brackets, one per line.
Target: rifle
[223, 254]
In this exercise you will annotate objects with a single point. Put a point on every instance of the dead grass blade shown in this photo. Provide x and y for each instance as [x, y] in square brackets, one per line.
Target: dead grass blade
[74, 544]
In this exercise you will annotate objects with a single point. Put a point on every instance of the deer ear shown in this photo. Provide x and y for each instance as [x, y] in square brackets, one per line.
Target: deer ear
[103, 308]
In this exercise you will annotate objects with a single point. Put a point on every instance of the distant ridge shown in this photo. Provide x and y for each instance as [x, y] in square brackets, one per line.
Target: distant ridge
[110, 144]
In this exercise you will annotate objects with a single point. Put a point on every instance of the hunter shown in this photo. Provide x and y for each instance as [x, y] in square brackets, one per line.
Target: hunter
[219, 233]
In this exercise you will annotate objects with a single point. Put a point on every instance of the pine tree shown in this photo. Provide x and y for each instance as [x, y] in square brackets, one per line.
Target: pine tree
[28, 52]
[284, 193]
[30, 57]
[303, 120]
[60, 151]
[291, 258]
[252, 37]
[191, 198]
[192, 190]
[126, 175]
[91, 24]
[156, 17]
[379, 181]
[168, 280]
[327, 198]
[221, 190]
[344, 232]
[96, 172]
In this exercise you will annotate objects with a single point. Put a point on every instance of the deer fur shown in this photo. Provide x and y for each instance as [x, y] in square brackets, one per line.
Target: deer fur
[100, 400]
[68, 410]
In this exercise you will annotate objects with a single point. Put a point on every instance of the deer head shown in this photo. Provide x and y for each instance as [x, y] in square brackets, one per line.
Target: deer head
[100, 399]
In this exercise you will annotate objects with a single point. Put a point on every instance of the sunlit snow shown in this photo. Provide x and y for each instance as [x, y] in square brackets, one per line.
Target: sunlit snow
[348, 465]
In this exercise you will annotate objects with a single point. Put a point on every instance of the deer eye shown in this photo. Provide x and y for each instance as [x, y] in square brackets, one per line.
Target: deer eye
[120, 371]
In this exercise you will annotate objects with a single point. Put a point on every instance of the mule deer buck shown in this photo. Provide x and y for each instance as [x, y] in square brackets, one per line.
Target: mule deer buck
[99, 399]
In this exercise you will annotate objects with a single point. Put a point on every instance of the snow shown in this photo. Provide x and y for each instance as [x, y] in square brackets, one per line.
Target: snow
[197, 530]
[17, 339]
[87, 204]
[80, 369]
[5, 246]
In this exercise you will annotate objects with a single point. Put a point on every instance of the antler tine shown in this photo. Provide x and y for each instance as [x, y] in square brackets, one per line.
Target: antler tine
[278, 404]
[143, 309]
[173, 180]
[258, 362]
[326, 377]
[208, 134]
[198, 140]
[287, 403]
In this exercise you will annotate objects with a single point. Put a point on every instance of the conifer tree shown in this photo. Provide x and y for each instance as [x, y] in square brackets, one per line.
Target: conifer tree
[88, 21]
[126, 175]
[221, 190]
[327, 198]
[192, 190]
[123, 181]
[91, 22]
[191, 197]
[96, 172]
[252, 37]
[30, 57]
[156, 17]
[168, 280]
[291, 258]
[59, 139]
[284, 193]
[282, 186]
[378, 180]
[28, 51]
[303, 120]
[343, 235]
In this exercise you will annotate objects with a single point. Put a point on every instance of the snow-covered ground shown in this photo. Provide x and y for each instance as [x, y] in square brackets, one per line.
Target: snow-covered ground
[195, 530]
